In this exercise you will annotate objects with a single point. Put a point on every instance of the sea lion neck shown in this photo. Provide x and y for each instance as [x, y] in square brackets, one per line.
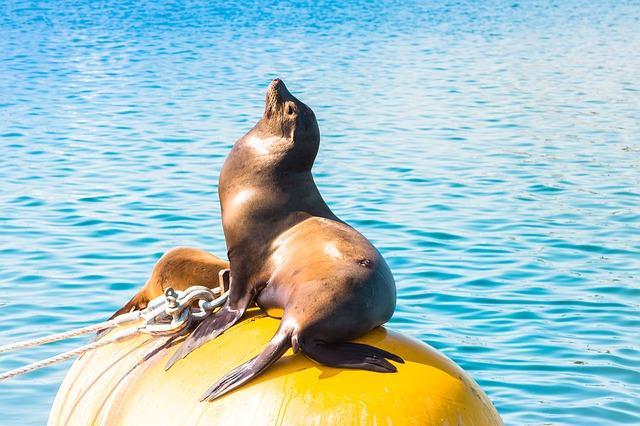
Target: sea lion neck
[262, 151]
[279, 149]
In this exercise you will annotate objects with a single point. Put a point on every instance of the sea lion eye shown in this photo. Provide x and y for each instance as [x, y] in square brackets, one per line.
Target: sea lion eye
[290, 108]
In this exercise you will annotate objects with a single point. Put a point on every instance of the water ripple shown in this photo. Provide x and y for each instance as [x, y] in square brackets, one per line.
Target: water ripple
[489, 149]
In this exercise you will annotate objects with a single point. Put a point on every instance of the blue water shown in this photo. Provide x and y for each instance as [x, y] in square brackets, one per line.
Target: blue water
[490, 149]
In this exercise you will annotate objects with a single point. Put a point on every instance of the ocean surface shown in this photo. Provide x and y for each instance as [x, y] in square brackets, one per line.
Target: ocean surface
[489, 149]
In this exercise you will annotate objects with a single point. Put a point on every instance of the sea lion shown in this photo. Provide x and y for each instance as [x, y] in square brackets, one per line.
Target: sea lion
[179, 268]
[292, 255]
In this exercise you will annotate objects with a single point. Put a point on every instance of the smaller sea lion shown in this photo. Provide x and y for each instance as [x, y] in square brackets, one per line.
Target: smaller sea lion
[179, 268]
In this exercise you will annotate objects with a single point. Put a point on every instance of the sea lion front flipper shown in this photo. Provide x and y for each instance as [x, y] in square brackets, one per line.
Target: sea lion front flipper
[250, 369]
[210, 328]
[351, 355]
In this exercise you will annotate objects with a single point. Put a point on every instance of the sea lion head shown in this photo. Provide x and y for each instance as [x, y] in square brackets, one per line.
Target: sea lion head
[294, 127]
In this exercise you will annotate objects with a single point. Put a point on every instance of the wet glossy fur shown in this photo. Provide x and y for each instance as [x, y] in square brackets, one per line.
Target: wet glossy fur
[292, 255]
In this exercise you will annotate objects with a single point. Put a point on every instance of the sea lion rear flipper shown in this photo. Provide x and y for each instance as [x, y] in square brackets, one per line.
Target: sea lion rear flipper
[351, 355]
[250, 369]
[210, 328]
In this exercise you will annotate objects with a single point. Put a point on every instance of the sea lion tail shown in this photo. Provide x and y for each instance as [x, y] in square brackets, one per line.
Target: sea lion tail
[351, 355]
[278, 345]
[137, 303]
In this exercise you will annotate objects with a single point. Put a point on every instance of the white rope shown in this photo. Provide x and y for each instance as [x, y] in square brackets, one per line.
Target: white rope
[172, 305]
[70, 354]
[121, 319]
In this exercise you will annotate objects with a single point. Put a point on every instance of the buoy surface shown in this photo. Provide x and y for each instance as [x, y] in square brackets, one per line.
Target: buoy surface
[106, 387]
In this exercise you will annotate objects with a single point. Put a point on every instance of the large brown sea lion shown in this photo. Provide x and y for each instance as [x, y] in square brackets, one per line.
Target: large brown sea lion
[292, 255]
[179, 268]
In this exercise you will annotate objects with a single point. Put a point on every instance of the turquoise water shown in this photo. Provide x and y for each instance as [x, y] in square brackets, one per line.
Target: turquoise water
[489, 149]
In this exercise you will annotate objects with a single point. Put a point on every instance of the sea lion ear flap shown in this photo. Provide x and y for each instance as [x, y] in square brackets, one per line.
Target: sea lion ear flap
[291, 109]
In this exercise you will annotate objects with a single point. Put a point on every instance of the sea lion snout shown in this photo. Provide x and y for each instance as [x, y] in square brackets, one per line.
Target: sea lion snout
[277, 89]
[276, 85]
[278, 97]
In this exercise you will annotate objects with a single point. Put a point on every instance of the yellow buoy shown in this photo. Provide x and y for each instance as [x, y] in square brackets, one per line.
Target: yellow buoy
[106, 387]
